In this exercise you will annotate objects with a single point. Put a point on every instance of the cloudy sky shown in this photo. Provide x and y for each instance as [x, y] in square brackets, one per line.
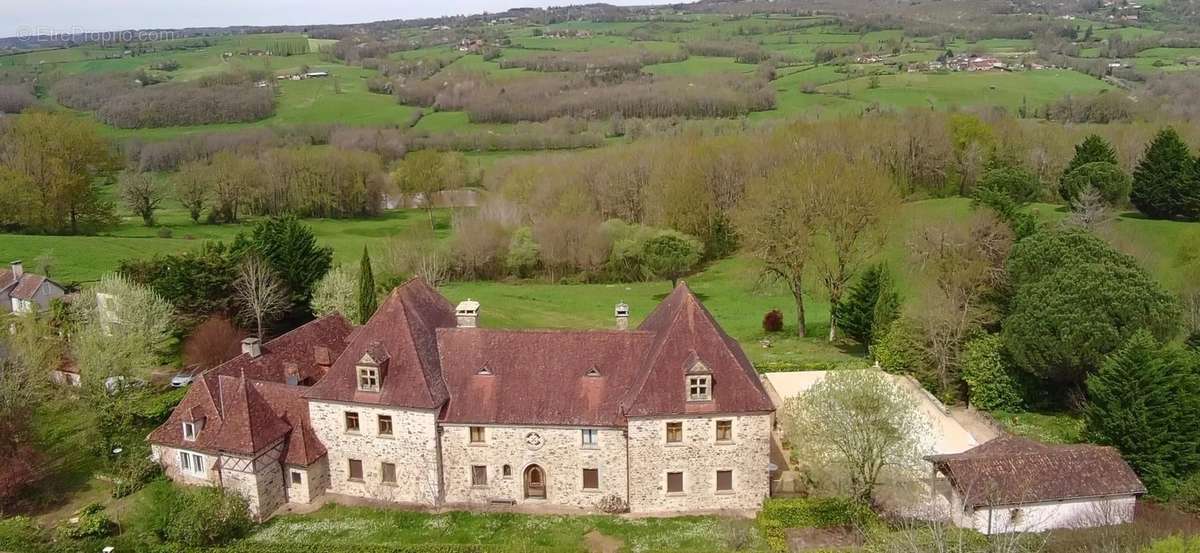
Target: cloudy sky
[58, 16]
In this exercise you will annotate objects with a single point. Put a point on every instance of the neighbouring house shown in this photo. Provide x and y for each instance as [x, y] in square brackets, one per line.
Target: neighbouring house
[423, 407]
[24, 292]
[1014, 484]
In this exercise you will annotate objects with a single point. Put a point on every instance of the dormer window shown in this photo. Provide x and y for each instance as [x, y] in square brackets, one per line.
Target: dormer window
[368, 379]
[189, 431]
[699, 387]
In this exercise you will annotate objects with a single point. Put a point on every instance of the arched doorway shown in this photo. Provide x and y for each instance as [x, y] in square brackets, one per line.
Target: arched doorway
[535, 482]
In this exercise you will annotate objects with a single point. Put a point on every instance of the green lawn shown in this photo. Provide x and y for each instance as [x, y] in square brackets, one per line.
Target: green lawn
[348, 526]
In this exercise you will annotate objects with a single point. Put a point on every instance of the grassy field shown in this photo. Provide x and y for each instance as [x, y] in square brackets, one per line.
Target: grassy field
[337, 525]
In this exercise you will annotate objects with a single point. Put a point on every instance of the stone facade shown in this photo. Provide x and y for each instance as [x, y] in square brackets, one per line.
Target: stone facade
[260, 480]
[168, 457]
[698, 456]
[313, 481]
[412, 449]
[558, 451]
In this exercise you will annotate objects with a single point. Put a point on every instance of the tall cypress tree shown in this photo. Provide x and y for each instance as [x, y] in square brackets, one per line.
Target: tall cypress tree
[1140, 402]
[1093, 149]
[366, 289]
[1165, 185]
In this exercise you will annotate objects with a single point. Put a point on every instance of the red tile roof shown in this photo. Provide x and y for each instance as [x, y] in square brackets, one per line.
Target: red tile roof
[6, 279]
[27, 286]
[404, 328]
[303, 349]
[1012, 471]
[242, 417]
[539, 377]
[685, 332]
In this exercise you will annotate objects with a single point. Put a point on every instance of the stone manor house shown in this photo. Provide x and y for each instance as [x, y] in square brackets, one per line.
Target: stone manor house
[421, 407]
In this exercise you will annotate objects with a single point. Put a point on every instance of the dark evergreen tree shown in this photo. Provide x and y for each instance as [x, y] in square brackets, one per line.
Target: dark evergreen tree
[290, 247]
[1165, 185]
[1062, 325]
[1107, 179]
[1093, 149]
[870, 306]
[366, 289]
[1144, 401]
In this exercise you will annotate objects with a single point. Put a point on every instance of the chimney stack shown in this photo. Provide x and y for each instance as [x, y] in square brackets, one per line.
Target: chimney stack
[252, 347]
[17, 268]
[467, 313]
[291, 372]
[622, 313]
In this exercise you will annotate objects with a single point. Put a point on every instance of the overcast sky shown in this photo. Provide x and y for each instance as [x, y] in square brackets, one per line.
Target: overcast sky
[59, 16]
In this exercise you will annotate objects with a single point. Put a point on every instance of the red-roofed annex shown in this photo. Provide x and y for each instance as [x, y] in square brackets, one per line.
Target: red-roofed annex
[421, 406]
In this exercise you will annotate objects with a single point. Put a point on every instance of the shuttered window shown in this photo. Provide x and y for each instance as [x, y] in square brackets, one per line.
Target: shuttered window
[724, 480]
[478, 475]
[356, 472]
[591, 479]
[674, 482]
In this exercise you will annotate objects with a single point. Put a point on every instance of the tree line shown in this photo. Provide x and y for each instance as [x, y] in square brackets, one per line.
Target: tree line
[549, 96]
[125, 100]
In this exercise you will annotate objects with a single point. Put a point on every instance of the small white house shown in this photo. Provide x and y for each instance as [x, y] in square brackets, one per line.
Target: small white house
[1014, 484]
[22, 292]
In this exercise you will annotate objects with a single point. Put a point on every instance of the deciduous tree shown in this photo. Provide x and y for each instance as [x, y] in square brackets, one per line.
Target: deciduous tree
[335, 293]
[260, 293]
[860, 423]
[427, 172]
[141, 195]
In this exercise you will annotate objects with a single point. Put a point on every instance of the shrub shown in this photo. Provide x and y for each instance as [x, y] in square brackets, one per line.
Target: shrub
[1187, 496]
[195, 517]
[93, 523]
[1174, 544]
[773, 321]
[1019, 184]
[993, 386]
[901, 350]
[164, 232]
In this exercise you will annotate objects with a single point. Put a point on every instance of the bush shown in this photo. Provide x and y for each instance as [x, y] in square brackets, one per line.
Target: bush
[93, 523]
[195, 517]
[993, 386]
[1175, 544]
[773, 321]
[1019, 184]
[901, 350]
[1187, 496]
[164, 232]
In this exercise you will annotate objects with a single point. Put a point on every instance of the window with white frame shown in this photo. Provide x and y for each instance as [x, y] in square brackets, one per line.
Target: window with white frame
[368, 379]
[189, 431]
[192, 463]
[590, 437]
[699, 388]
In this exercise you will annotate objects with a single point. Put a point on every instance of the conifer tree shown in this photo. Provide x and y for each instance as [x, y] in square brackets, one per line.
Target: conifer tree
[1143, 402]
[1165, 183]
[870, 306]
[366, 289]
[1093, 149]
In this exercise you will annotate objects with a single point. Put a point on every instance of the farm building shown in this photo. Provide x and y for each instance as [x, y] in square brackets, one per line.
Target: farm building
[24, 292]
[1014, 484]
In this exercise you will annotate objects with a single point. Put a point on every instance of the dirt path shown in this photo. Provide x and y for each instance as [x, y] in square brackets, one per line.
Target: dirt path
[599, 543]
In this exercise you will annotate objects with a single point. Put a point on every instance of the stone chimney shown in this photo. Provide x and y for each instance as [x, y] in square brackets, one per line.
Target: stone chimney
[291, 372]
[467, 313]
[252, 347]
[17, 268]
[622, 314]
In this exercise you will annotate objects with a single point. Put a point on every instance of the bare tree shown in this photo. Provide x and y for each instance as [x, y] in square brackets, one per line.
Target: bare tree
[857, 423]
[775, 226]
[141, 195]
[848, 213]
[192, 188]
[1090, 211]
[963, 263]
[260, 293]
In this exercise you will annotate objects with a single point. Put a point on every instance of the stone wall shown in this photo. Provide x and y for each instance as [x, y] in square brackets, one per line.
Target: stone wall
[1040, 517]
[699, 456]
[559, 451]
[412, 448]
[314, 480]
[259, 480]
[168, 457]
